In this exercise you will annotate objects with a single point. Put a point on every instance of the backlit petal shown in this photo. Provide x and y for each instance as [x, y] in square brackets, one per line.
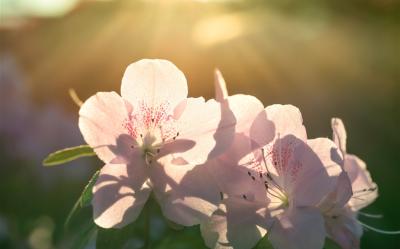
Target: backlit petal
[365, 191]
[101, 120]
[221, 93]
[155, 82]
[287, 120]
[339, 134]
[119, 194]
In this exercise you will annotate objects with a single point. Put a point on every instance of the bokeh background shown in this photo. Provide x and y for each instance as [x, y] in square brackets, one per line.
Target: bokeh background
[329, 57]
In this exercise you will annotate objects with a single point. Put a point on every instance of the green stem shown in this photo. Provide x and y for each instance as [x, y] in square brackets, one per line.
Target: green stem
[147, 227]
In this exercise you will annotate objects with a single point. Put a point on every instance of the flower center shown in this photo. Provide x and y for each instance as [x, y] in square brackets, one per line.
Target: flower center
[151, 127]
[285, 201]
[278, 198]
[149, 146]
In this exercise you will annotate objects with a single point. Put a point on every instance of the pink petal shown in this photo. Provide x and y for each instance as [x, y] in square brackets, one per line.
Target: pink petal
[262, 130]
[317, 176]
[287, 120]
[211, 125]
[340, 196]
[214, 231]
[101, 120]
[221, 93]
[155, 82]
[248, 112]
[238, 224]
[119, 194]
[197, 125]
[365, 191]
[345, 230]
[343, 189]
[233, 177]
[186, 193]
[301, 228]
[339, 134]
[344, 238]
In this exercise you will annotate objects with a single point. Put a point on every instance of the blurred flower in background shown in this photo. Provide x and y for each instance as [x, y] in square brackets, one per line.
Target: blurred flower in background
[29, 132]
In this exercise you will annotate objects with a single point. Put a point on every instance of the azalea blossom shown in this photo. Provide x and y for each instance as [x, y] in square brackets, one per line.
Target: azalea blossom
[151, 138]
[355, 190]
[272, 184]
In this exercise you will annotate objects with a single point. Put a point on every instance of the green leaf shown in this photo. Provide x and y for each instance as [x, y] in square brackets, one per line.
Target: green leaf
[84, 199]
[86, 196]
[263, 244]
[68, 154]
[83, 235]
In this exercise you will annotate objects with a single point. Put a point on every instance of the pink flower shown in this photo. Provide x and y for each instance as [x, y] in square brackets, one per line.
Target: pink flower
[355, 190]
[151, 139]
[272, 179]
[356, 169]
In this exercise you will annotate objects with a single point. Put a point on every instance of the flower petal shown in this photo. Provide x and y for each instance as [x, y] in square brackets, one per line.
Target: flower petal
[101, 120]
[232, 173]
[214, 231]
[340, 196]
[186, 193]
[298, 229]
[345, 229]
[208, 125]
[248, 112]
[237, 224]
[221, 93]
[119, 194]
[318, 175]
[339, 134]
[365, 191]
[287, 120]
[155, 82]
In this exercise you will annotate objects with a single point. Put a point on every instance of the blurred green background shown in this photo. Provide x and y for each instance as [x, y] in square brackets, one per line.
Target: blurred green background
[329, 57]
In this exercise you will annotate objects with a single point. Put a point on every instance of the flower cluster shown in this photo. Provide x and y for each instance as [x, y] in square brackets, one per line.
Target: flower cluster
[238, 169]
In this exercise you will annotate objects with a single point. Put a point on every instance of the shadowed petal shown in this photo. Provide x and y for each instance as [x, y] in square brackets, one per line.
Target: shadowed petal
[318, 174]
[212, 125]
[234, 178]
[298, 229]
[101, 120]
[340, 196]
[238, 223]
[345, 230]
[187, 194]
[364, 189]
[119, 195]
[209, 125]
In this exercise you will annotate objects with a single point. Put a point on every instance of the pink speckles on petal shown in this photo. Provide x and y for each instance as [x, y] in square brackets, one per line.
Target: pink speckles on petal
[280, 156]
[294, 172]
[155, 120]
